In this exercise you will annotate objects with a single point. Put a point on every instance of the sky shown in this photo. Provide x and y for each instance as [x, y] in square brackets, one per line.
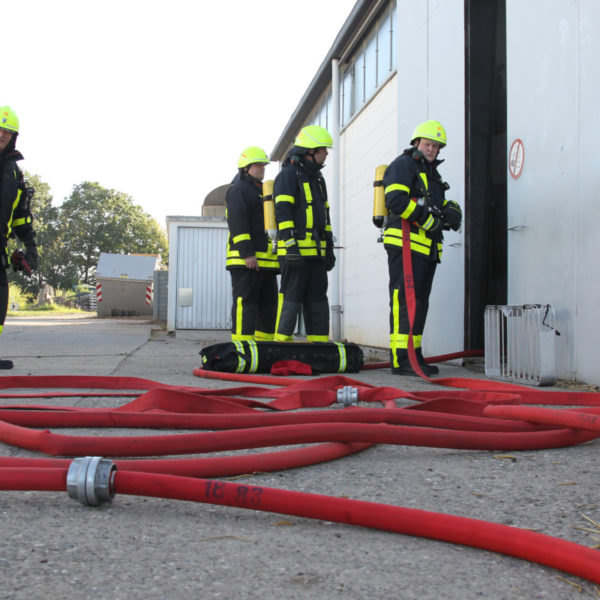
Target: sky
[157, 99]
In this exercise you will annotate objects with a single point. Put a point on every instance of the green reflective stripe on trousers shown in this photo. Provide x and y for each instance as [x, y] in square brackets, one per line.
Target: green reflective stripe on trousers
[239, 312]
[241, 360]
[395, 313]
[317, 338]
[343, 357]
[261, 336]
[254, 356]
[399, 340]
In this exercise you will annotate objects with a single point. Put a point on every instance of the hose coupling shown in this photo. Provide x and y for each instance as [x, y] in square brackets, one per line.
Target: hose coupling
[347, 396]
[90, 480]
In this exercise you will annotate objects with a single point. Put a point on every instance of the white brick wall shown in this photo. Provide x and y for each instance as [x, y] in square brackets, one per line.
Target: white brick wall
[370, 140]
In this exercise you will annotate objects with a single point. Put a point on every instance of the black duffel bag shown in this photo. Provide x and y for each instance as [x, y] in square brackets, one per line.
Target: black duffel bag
[259, 357]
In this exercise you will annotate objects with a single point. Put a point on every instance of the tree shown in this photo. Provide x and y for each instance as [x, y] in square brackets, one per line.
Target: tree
[94, 220]
[71, 237]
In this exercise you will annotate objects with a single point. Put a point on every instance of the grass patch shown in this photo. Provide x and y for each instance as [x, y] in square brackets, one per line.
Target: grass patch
[46, 309]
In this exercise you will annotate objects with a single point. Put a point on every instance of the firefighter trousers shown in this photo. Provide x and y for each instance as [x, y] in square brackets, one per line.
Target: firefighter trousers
[3, 296]
[423, 273]
[254, 305]
[303, 284]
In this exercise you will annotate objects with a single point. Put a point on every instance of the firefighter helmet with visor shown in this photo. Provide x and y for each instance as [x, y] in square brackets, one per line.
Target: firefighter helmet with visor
[430, 130]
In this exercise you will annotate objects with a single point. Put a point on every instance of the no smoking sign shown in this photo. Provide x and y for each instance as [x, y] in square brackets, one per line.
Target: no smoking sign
[516, 158]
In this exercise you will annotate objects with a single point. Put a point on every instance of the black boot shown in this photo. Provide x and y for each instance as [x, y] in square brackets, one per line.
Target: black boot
[403, 368]
[427, 369]
[6, 364]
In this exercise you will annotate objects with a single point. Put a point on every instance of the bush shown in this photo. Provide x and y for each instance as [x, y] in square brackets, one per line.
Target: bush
[18, 299]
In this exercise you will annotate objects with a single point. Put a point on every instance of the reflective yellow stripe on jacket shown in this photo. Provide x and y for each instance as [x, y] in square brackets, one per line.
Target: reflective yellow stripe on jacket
[306, 245]
[420, 241]
[266, 260]
[11, 223]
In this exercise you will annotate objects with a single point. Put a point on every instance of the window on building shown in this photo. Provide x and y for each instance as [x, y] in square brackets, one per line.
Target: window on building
[384, 49]
[369, 67]
[358, 81]
[346, 100]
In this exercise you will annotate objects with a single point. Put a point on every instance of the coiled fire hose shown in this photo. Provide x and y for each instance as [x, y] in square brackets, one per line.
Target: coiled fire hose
[474, 419]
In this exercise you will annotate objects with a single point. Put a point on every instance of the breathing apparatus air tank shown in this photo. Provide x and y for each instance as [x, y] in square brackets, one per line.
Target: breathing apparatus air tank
[380, 212]
[269, 212]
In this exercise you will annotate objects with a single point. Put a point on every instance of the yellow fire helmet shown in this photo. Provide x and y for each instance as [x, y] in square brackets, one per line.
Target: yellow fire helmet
[251, 155]
[430, 130]
[314, 136]
[8, 119]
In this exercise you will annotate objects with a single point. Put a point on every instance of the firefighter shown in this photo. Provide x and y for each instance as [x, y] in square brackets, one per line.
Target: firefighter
[251, 261]
[415, 191]
[15, 215]
[305, 241]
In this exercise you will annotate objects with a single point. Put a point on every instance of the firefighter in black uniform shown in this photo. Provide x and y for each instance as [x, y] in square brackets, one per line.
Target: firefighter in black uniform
[414, 191]
[15, 215]
[251, 261]
[305, 241]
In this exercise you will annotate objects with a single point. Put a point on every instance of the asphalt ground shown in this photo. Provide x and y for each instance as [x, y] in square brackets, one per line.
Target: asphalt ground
[148, 548]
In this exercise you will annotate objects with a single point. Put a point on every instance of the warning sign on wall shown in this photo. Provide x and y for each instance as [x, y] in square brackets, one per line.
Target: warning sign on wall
[516, 158]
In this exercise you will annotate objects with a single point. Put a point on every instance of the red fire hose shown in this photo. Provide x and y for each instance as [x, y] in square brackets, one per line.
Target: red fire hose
[457, 419]
[559, 554]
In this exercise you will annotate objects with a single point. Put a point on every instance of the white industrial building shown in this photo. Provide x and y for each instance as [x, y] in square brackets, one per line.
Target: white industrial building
[509, 79]
[514, 85]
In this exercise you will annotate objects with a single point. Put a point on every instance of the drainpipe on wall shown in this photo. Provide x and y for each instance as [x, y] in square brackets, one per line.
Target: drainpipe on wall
[334, 282]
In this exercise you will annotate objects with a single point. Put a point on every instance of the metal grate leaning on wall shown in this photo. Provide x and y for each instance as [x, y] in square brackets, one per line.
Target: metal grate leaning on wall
[520, 344]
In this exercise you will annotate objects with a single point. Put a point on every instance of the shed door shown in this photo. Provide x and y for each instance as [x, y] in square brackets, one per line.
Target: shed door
[203, 294]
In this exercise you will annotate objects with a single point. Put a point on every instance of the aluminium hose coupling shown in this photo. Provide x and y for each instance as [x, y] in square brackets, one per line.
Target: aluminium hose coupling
[90, 480]
[347, 396]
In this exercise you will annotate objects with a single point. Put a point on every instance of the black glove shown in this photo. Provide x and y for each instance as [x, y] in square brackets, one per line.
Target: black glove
[431, 220]
[31, 255]
[292, 252]
[452, 214]
[329, 259]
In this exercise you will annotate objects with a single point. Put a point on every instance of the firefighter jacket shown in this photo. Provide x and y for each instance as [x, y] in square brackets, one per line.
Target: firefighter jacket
[412, 185]
[246, 222]
[15, 214]
[301, 208]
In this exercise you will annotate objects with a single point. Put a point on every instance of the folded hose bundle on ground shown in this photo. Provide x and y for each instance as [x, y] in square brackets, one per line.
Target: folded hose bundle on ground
[259, 357]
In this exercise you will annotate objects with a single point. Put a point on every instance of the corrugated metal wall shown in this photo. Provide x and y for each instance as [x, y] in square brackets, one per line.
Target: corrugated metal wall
[201, 273]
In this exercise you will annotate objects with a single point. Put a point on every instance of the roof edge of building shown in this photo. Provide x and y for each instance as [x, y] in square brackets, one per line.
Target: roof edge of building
[323, 76]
